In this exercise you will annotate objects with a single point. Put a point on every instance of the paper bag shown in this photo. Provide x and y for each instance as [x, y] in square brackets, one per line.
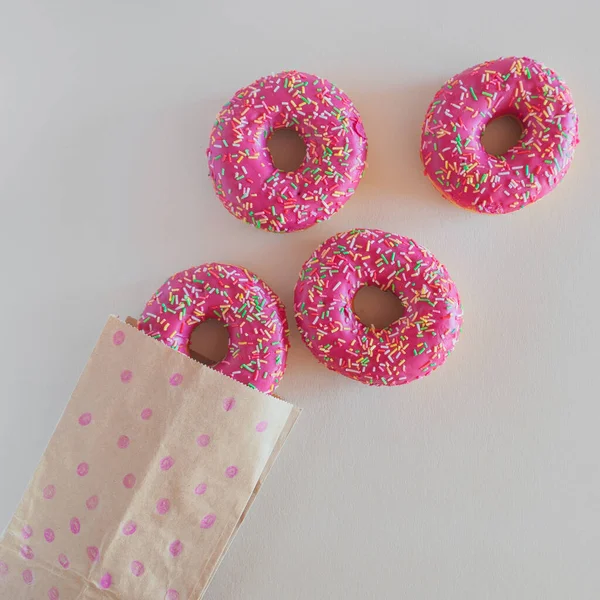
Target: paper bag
[146, 479]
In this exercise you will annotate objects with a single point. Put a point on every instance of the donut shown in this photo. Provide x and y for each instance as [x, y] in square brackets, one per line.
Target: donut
[251, 311]
[451, 150]
[408, 349]
[240, 164]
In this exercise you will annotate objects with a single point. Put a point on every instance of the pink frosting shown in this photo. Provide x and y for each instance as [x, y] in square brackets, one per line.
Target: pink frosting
[244, 176]
[451, 149]
[253, 313]
[409, 348]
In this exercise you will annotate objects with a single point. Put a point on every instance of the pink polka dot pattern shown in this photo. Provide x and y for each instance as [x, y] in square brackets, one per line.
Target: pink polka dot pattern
[92, 502]
[106, 581]
[129, 480]
[85, 419]
[93, 553]
[176, 548]
[28, 576]
[26, 532]
[123, 442]
[49, 492]
[83, 469]
[262, 426]
[137, 568]
[129, 528]
[126, 376]
[228, 404]
[124, 436]
[53, 594]
[75, 525]
[118, 337]
[163, 506]
[176, 379]
[208, 521]
[166, 463]
[203, 440]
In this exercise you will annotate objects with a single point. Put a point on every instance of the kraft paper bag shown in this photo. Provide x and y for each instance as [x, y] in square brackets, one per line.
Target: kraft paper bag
[146, 479]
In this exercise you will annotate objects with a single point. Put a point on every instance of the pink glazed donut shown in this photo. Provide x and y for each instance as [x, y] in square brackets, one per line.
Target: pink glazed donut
[411, 347]
[253, 313]
[245, 179]
[451, 149]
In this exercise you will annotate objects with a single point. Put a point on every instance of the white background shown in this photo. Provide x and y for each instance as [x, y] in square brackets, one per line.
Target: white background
[481, 481]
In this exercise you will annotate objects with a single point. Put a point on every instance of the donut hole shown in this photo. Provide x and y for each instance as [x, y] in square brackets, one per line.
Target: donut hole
[376, 307]
[209, 342]
[287, 148]
[501, 134]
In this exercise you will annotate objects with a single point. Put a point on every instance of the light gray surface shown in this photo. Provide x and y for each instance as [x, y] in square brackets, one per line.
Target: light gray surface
[479, 482]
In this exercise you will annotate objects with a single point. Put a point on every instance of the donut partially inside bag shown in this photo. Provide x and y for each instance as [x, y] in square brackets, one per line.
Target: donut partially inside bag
[251, 311]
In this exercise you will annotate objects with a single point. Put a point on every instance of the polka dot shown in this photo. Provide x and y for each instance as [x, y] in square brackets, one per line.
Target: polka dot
[118, 337]
[123, 442]
[137, 568]
[146, 414]
[92, 502]
[172, 595]
[176, 379]
[200, 489]
[3, 569]
[83, 469]
[166, 463]
[231, 471]
[163, 506]
[85, 419]
[63, 561]
[28, 576]
[53, 594]
[208, 521]
[129, 528]
[228, 404]
[176, 548]
[129, 480]
[27, 552]
[75, 525]
[26, 532]
[203, 440]
[49, 535]
[262, 426]
[49, 492]
[126, 376]
[93, 553]
[106, 581]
